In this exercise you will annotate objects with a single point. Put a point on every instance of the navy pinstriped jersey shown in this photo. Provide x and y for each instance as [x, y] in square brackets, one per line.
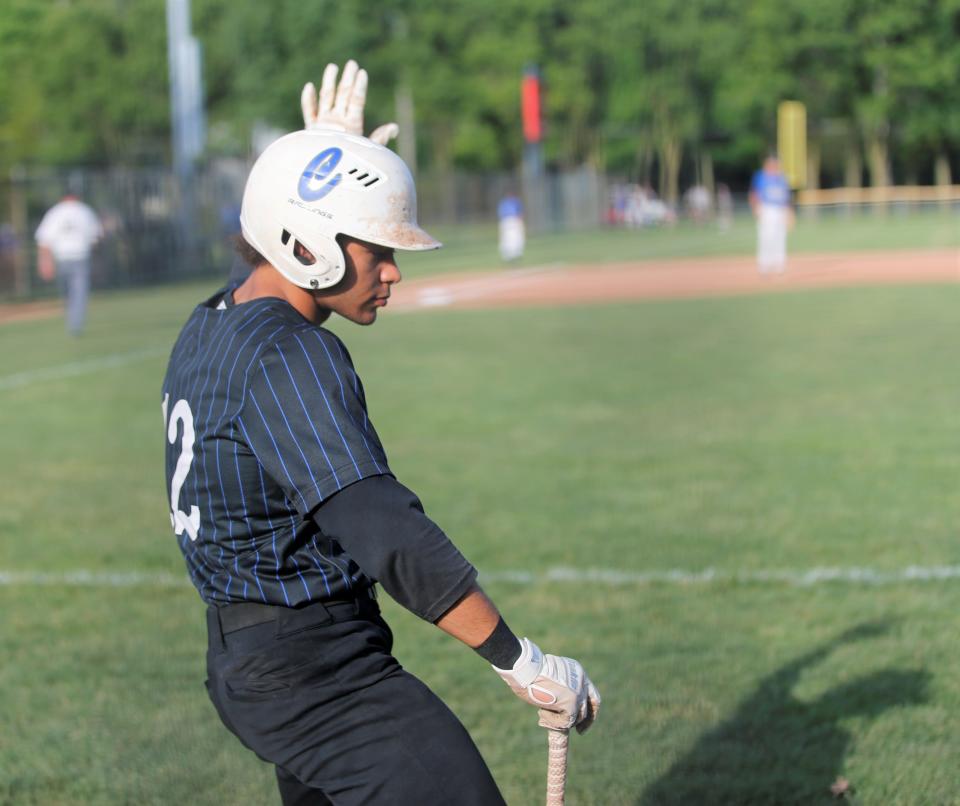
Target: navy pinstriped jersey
[265, 418]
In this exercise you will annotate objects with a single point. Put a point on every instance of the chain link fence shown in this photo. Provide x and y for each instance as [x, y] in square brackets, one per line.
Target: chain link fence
[158, 229]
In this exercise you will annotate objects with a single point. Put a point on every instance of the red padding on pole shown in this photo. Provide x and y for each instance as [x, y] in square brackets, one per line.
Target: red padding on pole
[530, 96]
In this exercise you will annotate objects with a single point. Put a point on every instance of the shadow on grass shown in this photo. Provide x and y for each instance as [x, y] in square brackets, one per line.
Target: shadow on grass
[778, 749]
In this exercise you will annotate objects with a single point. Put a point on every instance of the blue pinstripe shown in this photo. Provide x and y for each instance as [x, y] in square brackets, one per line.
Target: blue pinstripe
[279, 454]
[230, 537]
[276, 554]
[246, 519]
[343, 398]
[296, 565]
[333, 418]
[356, 380]
[348, 579]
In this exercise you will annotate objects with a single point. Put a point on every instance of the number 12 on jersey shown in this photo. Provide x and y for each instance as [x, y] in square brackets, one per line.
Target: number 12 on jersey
[179, 520]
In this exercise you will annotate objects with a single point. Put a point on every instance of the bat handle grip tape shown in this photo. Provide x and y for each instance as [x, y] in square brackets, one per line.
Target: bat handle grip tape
[557, 766]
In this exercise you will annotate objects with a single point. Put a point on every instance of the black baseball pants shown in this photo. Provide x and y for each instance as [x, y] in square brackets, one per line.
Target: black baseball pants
[317, 692]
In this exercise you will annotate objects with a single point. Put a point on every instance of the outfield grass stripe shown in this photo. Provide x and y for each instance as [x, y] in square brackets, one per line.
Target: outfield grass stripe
[609, 577]
[797, 577]
[61, 371]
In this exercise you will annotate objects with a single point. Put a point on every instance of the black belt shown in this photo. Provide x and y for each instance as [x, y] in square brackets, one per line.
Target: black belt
[239, 616]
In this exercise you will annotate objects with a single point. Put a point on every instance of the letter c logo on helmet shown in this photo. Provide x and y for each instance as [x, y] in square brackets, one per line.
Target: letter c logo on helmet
[311, 186]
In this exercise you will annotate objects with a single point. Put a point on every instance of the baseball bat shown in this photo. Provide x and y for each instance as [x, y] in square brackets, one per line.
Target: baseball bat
[557, 766]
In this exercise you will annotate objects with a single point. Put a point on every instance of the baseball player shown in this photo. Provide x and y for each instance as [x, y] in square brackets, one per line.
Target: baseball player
[285, 508]
[65, 238]
[770, 202]
[512, 232]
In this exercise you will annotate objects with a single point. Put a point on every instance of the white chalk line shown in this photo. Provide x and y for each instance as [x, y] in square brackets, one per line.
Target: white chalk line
[93, 579]
[606, 577]
[440, 294]
[74, 368]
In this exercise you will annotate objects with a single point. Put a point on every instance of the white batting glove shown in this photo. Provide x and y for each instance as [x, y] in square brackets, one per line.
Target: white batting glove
[340, 107]
[557, 686]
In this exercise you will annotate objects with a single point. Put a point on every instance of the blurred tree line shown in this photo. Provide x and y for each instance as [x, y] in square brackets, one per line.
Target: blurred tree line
[661, 90]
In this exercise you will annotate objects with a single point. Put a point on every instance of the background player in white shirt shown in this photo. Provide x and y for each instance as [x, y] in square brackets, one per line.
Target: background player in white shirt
[65, 239]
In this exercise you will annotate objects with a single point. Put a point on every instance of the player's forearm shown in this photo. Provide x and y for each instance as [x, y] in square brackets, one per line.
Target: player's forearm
[45, 263]
[475, 621]
[472, 619]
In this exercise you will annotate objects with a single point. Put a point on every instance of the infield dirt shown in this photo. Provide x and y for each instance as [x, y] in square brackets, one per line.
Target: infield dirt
[673, 278]
[560, 284]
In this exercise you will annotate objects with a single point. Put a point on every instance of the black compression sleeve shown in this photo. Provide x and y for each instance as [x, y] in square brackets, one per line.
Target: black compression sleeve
[381, 525]
[502, 647]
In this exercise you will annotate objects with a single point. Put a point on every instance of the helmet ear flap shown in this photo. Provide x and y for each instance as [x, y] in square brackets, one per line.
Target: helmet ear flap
[322, 260]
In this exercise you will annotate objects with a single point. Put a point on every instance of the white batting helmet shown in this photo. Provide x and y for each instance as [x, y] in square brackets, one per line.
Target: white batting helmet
[310, 186]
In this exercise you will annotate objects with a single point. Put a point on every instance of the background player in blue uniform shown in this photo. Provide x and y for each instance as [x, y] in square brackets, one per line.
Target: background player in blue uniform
[287, 512]
[512, 234]
[770, 202]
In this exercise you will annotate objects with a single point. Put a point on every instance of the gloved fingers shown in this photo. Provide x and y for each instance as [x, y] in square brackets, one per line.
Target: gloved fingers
[308, 104]
[593, 695]
[355, 103]
[591, 707]
[385, 133]
[328, 86]
[586, 721]
[339, 106]
[345, 89]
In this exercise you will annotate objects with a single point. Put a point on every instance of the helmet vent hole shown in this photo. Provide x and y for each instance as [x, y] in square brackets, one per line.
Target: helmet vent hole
[302, 254]
[365, 178]
[285, 237]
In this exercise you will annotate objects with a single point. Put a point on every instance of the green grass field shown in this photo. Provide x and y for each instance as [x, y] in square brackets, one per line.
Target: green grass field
[746, 435]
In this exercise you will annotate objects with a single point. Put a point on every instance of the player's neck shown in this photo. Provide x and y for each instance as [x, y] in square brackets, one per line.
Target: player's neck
[266, 281]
